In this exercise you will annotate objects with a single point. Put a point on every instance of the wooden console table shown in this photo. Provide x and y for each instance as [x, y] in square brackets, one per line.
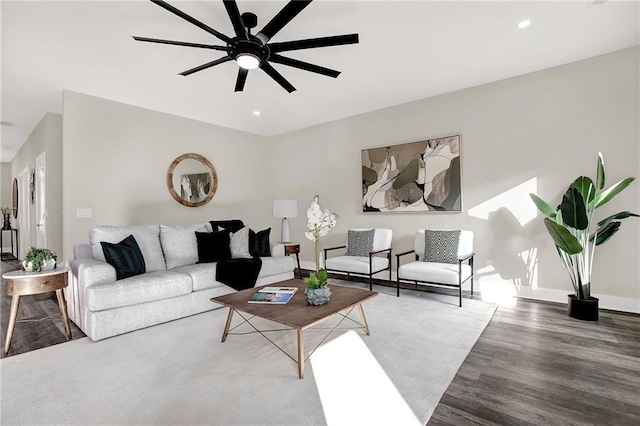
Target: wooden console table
[22, 283]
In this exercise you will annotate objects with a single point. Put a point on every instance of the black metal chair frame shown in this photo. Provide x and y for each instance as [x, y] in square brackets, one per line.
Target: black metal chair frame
[468, 257]
[371, 272]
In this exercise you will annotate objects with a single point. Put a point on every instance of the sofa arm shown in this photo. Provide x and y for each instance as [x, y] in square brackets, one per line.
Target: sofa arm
[277, 250]
[92, 271]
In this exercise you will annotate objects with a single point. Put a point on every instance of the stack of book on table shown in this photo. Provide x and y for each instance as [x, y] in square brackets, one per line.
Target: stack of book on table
[273, 295]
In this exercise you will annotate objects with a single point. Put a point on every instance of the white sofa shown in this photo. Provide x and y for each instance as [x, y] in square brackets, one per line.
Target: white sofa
[173, 286]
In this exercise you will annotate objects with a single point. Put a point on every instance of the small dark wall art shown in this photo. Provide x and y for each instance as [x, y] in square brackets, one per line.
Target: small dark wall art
[413, 177]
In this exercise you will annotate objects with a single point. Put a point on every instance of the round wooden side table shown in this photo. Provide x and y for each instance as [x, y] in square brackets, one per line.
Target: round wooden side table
[22, 283]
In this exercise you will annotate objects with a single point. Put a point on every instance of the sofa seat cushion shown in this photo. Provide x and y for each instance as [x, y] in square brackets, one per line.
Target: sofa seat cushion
[147, 237]
[203, 275]
[179, 244]
[276, 265]
[357, 264]
[443, 273]
[143, 288]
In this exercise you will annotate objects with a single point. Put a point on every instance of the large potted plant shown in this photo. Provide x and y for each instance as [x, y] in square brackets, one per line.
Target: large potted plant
[576, 233]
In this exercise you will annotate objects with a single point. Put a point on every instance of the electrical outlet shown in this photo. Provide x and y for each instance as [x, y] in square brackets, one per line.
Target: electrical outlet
[83, 213]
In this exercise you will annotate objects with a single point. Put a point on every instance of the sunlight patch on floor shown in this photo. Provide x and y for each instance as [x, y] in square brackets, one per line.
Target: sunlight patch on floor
[353, 387]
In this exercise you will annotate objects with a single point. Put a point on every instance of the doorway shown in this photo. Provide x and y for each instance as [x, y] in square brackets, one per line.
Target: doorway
[41, 200]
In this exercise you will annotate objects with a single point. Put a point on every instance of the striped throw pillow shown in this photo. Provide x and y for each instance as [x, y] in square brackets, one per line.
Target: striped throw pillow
[441, 246]
[360, 243]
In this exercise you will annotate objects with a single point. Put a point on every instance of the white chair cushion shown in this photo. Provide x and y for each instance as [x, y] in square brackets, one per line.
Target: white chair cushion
[356, 264]
[147, 237]
[465, 245]
[443, 273]
[179, 244]
[143, 288]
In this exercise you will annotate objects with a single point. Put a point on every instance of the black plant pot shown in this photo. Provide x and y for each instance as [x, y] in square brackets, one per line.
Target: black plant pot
[583, 309]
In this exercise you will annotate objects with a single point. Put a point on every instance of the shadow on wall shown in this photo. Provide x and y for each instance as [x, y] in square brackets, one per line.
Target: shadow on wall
[514, 256]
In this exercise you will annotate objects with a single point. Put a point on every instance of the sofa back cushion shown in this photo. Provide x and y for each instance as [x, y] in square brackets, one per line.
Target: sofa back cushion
[179, 244]
[147, 236]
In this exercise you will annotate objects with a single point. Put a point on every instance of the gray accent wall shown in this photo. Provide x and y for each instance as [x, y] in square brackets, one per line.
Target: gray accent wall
[116, 159]
[532, 133]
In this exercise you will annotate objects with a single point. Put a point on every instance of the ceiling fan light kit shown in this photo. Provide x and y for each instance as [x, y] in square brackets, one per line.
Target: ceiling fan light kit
[254, 51]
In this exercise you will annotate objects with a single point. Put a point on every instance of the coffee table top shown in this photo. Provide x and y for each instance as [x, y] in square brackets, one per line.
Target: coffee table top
[297, 313]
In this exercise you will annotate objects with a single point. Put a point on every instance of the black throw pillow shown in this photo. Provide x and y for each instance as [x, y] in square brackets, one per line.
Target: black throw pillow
[213, 246]
[233, 225]
[125, 257]
[259, 243]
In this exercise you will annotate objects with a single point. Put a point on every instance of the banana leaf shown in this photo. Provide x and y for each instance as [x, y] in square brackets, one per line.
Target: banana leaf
[611, 192]
[586, 187]
[573, 209]
[562, 237]
[542, 205]
[617, 216]
[604, 233]
[600, 176]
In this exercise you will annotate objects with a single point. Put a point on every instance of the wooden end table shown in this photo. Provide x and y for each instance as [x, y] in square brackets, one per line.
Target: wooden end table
[22, 283]
[293, 248]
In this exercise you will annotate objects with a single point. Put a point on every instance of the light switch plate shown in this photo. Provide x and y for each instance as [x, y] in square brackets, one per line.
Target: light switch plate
[80, 213]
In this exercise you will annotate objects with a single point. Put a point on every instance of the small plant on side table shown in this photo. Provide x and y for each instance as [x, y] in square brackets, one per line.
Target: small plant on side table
[39, 259]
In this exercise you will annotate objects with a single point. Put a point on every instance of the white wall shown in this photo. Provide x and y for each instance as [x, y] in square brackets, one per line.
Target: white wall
[45, 137]
[533, 133]
[116, 158]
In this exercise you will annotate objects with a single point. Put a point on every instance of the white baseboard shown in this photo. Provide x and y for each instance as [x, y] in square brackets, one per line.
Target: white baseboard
[506, 293]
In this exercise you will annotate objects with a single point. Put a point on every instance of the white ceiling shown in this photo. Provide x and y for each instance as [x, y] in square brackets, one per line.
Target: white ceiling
[407, 51]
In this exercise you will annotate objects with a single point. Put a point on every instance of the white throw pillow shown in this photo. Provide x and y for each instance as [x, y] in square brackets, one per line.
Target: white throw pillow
[239, 244]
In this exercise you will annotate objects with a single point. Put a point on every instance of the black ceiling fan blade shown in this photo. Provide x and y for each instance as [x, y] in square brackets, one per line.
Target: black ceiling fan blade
[180, 43]
[207, 65]
[312, 43]
[266, 67]
[236, 19]
[194, 21]
[242, 78]
[303, 65]
[281, 19]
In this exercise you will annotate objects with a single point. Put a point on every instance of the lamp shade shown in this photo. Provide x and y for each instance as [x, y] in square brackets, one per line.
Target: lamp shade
[285, 208]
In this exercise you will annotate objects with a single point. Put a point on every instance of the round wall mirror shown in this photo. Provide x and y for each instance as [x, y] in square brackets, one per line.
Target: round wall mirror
[14, 198]
[192, 180]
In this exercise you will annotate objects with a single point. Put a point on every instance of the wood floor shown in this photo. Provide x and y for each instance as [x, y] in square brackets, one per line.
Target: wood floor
[532, 365]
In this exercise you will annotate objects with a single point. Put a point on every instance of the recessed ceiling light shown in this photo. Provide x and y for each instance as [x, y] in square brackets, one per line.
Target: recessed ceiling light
[524, 24]
[256, 112]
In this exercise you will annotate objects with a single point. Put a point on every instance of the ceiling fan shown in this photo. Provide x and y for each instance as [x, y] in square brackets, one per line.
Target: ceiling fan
[252, 51]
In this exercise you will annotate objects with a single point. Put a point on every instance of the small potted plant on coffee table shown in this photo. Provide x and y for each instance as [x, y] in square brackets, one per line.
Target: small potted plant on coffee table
[317, 291]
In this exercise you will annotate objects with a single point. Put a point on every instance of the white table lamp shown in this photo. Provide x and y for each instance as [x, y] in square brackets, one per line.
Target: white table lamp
[285, 209]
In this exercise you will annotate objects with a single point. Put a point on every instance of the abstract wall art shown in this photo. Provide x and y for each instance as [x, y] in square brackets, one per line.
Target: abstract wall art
[413, 177]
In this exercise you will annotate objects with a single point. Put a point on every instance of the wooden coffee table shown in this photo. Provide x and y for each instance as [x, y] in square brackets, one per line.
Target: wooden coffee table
[297, 314]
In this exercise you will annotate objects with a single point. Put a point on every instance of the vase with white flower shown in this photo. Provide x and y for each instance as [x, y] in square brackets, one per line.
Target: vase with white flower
[319, 223]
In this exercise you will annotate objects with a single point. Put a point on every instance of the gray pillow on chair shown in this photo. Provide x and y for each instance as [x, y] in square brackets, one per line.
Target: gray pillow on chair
[360, 243]
[441, 246]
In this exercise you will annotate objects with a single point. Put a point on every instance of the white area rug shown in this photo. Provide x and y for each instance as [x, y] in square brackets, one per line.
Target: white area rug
[180, 372]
